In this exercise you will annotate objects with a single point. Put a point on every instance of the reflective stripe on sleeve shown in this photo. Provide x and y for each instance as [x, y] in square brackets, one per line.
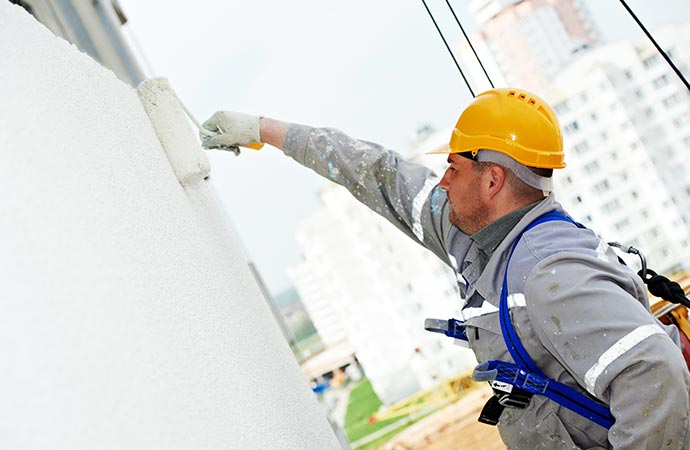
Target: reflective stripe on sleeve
[418, 204]
[486, 308]
[515, 300]
[617, 350]
[453, 262]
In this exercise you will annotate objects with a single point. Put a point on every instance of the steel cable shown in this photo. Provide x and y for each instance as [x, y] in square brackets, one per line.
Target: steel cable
[659, 49]
[470, 43]
[448, 47]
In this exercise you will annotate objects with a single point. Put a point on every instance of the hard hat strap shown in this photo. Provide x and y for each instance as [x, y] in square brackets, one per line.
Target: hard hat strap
[520, 170]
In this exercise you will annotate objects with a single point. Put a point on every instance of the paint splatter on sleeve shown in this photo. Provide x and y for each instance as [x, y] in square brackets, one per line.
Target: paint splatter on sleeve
[404, 193]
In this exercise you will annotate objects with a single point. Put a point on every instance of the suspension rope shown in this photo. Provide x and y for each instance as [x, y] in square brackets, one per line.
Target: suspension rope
[659, 49]
[448, 48]
[470, 43]
[662, 287]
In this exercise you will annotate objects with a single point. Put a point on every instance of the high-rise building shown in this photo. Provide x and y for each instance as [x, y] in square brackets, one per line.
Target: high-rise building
[626, 122]
[528, 41]
[361, 277]
[624, 113]
[308, 279]
[94, 26]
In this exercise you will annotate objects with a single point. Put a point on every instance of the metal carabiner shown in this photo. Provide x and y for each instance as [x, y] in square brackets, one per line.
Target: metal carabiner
[633, 251]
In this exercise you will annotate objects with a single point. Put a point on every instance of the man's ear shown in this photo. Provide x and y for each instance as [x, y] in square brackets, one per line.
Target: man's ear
[495, 179]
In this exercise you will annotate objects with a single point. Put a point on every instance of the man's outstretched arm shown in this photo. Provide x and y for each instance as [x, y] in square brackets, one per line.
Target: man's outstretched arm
[236, 129]
[273, 132]
[404, 193]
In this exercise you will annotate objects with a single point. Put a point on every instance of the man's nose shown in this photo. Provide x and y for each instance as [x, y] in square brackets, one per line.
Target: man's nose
[443, 184]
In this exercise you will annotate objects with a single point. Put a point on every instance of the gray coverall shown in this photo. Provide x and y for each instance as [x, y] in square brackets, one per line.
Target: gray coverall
[581, 315]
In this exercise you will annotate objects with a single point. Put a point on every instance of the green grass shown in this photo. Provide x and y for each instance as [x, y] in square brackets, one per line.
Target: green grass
[307, 347]
[373, 445]
[363, 403]
[312, 342]
[304, 332]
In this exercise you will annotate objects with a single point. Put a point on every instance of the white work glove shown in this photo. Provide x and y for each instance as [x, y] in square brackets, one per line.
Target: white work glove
[229, 130]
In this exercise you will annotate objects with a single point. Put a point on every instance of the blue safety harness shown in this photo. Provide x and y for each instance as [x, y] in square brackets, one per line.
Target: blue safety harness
[514, 384]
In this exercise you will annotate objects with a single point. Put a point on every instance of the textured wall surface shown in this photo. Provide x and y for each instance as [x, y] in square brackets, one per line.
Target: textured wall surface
[128, 318]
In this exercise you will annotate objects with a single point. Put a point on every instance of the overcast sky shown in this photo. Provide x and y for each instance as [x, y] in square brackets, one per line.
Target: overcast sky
[375, 69]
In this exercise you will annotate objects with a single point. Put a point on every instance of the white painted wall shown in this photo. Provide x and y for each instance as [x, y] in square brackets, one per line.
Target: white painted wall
[128, 318]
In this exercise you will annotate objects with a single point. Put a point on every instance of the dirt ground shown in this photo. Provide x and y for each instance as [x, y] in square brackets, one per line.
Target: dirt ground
[455, 427]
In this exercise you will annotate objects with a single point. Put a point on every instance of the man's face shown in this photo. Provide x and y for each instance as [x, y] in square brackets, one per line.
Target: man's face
[462, 183]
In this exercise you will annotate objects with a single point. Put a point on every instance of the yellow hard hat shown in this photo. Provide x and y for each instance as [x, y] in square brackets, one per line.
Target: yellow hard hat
[514, 122]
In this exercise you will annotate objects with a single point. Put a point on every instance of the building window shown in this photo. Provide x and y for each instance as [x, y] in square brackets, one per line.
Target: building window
[650, 61]
[661, 81]
[602, 186]
[572, 127]
[592, 167]
[672, 100]
[562, 107]
[611, 206]
[581, 148]
[680, 121]
[621, 224]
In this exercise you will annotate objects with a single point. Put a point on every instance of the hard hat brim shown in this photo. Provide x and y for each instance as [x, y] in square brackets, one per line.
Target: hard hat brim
[442, 150]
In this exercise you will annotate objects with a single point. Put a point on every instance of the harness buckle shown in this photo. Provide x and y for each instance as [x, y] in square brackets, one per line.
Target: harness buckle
[491, 411]
[510, 395]
[505, 395]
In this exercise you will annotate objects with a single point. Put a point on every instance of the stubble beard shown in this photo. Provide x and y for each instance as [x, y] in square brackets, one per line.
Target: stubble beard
[476, 219]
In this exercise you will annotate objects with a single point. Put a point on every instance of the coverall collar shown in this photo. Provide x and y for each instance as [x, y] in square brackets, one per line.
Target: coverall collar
[488, 238]
[488, 284]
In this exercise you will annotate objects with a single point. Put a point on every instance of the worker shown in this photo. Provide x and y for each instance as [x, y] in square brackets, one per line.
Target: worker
[580, 314]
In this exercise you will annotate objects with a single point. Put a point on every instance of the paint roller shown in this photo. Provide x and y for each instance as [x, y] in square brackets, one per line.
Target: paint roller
[167, 115]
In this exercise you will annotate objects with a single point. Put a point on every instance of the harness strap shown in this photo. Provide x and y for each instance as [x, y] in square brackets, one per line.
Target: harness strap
[515, 347]
[525, 372]
[541, 385]
[452, 327]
